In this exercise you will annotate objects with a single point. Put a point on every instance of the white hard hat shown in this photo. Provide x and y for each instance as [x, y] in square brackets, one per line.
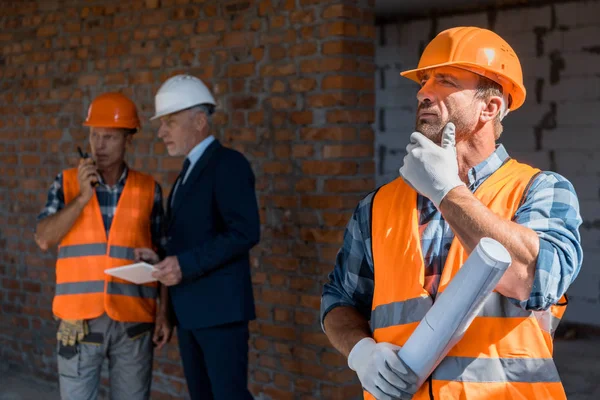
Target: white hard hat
[179, 93]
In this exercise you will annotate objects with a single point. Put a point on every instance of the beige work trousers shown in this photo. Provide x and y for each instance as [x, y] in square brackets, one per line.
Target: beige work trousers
[129, 350]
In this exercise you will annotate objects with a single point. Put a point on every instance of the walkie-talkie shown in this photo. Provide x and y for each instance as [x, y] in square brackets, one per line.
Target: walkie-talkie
[84, 156]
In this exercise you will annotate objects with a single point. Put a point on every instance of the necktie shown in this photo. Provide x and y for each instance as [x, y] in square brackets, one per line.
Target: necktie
[180, 178]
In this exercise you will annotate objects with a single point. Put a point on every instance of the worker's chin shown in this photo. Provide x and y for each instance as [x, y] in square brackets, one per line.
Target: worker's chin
[430, 131]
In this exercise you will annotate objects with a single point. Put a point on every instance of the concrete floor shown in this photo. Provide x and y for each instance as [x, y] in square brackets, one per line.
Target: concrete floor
[578, 362]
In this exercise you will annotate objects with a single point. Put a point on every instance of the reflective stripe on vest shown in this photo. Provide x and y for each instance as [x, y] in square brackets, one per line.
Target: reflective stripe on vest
[468, 369]
[96, 249]
[506, 349]
[126, 289]
[82, 250]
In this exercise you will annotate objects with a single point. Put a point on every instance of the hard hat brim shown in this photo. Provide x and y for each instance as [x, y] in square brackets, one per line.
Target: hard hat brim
[518, 95]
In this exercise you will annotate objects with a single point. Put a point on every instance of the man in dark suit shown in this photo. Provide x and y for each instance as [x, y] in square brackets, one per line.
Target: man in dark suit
[212, 223]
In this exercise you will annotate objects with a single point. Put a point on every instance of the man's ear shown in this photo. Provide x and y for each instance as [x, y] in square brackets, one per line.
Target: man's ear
[128, 139]
[200, 121]
[491, 109]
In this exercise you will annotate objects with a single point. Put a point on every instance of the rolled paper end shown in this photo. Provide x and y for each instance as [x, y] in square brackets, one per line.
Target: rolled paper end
[494, 253]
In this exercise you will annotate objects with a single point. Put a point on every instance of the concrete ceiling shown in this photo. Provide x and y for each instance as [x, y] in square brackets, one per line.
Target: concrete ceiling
[389, 9]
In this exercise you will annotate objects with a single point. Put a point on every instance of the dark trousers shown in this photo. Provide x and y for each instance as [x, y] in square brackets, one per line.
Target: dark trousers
[215, 361]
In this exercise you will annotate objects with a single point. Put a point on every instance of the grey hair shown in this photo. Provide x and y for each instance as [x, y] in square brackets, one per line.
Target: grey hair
[207, 109]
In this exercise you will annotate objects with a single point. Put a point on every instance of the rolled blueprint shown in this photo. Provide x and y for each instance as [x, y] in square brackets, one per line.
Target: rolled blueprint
[455, 308]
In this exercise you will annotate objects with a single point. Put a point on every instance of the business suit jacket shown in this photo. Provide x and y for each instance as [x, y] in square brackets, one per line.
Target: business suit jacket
[211, 227]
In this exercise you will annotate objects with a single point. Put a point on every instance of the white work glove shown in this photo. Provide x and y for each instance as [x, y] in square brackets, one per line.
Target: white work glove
[381, 372]
[430, 169]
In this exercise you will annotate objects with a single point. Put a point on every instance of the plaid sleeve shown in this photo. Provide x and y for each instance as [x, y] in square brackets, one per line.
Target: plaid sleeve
[159, 239]
[56, 199]
[551, 209]
[351, 282]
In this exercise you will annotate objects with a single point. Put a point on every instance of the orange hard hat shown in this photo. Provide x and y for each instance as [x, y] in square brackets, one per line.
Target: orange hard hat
[112, 110]
[477, 50]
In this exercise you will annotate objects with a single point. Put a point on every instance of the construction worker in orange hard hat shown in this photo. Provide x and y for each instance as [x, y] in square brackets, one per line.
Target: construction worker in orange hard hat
[98, 214]
[407, 239]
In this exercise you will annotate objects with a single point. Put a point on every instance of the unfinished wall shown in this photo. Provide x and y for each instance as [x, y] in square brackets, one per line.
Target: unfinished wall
[557, 127]
[294, 80]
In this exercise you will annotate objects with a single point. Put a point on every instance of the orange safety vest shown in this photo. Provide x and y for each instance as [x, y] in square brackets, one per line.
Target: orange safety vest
[83, 290]
[506, 353]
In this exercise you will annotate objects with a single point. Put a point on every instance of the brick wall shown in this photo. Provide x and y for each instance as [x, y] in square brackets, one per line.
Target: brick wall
[557, 128]
[294, 80]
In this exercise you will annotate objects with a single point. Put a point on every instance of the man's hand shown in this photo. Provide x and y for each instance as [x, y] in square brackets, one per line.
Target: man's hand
[430, 169]
[145, 254]
[381, 372]
[72, 331]
[168, 271]
[87, 174]
[163, 330]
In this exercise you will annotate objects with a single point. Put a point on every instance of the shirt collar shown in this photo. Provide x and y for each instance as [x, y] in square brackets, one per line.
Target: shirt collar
[487, 167]
[121, 181]
[195, 154]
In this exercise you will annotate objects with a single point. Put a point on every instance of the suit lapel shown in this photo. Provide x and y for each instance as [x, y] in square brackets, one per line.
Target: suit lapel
[194, 174]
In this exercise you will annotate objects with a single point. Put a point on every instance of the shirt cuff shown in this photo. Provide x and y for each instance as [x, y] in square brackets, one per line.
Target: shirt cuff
[188, 265]
[540, 298]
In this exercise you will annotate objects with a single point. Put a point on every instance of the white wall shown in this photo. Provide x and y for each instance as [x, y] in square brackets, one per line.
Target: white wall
[557, 128]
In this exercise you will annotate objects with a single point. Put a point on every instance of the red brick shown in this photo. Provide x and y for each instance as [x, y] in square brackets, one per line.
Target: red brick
[278, 297]
[277, 21]
[265, 7]
[281, 315]
[306, 185]
[282, 263]
[342, 99]
[304, 17]
[302, 150]
[277, 52]
[241, 70]
[278, 87]
[338, 392]
[336, 133]
[350, 116]
[336, 219]
[242, 134]
[278, 70]
[342, 11]
[243, 102]
[238, 39]
[305, 318]
[282, 381]
[258, 53]
[278, 331]
[347, 82]
[329, 167]
[321, 235]
[30, 159]
[47, 30]
[347, 151]
[278, 394]
[338, 28]
[141, 77]
[279, 103]
[302, 117]
[303, 49]
[276, 168]
[303, 84]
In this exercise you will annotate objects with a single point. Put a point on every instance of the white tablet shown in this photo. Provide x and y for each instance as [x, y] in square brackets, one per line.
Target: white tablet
[137, 273]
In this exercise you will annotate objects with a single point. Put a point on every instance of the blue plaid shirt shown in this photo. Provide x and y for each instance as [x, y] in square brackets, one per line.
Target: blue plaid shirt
[551, 209]
[108, 198]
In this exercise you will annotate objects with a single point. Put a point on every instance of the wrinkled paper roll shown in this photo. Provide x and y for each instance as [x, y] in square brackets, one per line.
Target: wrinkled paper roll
[455, 308]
